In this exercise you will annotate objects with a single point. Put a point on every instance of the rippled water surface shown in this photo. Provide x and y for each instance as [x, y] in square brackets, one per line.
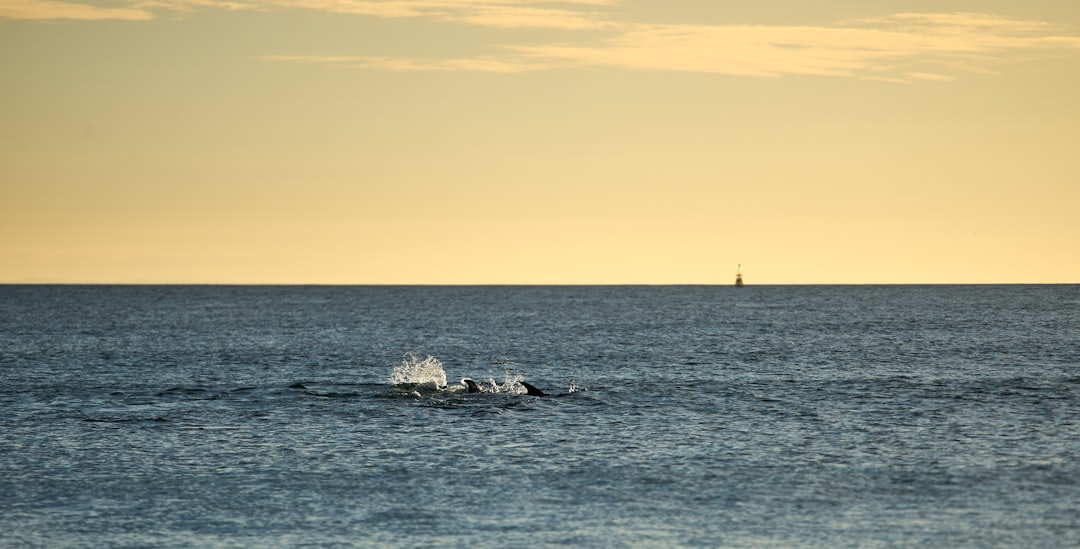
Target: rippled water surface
[931, 416]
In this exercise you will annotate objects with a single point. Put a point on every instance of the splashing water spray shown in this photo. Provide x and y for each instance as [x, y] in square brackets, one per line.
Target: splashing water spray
[415, 371]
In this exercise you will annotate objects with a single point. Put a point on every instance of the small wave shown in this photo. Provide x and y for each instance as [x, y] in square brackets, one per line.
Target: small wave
[155, 419]
[184, 391]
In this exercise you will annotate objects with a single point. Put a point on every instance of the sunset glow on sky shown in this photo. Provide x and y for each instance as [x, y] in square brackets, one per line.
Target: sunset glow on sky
[539, 142]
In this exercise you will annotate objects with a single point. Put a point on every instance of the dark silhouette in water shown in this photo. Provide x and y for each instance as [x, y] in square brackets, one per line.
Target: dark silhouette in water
[533, 391]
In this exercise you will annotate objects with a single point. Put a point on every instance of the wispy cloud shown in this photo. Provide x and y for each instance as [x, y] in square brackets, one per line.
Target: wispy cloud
[920, 46]
[552, 14]
[897, 47]
[514, 16]
[562, 14]
[900, 47]
[401, 64]
[49, 9]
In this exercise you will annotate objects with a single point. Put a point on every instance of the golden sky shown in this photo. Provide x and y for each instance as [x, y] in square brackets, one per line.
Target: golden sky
[539, 142]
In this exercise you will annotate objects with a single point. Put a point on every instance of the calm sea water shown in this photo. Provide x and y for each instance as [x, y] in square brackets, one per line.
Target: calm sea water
[846, 416]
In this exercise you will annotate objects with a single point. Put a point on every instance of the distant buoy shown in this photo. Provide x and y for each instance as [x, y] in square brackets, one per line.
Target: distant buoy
[738, 278]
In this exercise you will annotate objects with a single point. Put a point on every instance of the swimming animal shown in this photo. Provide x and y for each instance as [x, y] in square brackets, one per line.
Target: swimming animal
[533, 391]
[471, 386]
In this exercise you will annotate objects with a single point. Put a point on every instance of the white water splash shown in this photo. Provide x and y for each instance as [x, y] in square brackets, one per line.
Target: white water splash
[427, 374]
[511, 385]
[414, 371]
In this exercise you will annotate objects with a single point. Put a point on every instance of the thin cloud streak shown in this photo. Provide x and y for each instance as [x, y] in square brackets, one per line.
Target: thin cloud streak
[525, 17]
[969, 43]
[490, 13]
[400, 64]
[44, 10]
[901, 48]
[558, 14]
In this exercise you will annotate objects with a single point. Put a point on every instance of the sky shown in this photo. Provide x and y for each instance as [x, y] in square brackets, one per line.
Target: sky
[539, 142]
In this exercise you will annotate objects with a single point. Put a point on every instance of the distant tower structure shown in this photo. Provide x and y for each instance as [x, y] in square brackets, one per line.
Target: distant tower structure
[738, 277]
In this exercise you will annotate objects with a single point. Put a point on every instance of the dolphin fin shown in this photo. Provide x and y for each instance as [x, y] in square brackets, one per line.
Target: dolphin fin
[530, 390]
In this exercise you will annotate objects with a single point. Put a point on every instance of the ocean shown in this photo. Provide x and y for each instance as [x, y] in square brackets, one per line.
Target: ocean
[678, 416]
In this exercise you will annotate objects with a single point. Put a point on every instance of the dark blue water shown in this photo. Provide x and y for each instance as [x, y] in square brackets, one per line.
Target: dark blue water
[931, 416]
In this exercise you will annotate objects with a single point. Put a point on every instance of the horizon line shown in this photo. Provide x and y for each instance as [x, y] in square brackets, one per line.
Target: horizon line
[529, 284]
